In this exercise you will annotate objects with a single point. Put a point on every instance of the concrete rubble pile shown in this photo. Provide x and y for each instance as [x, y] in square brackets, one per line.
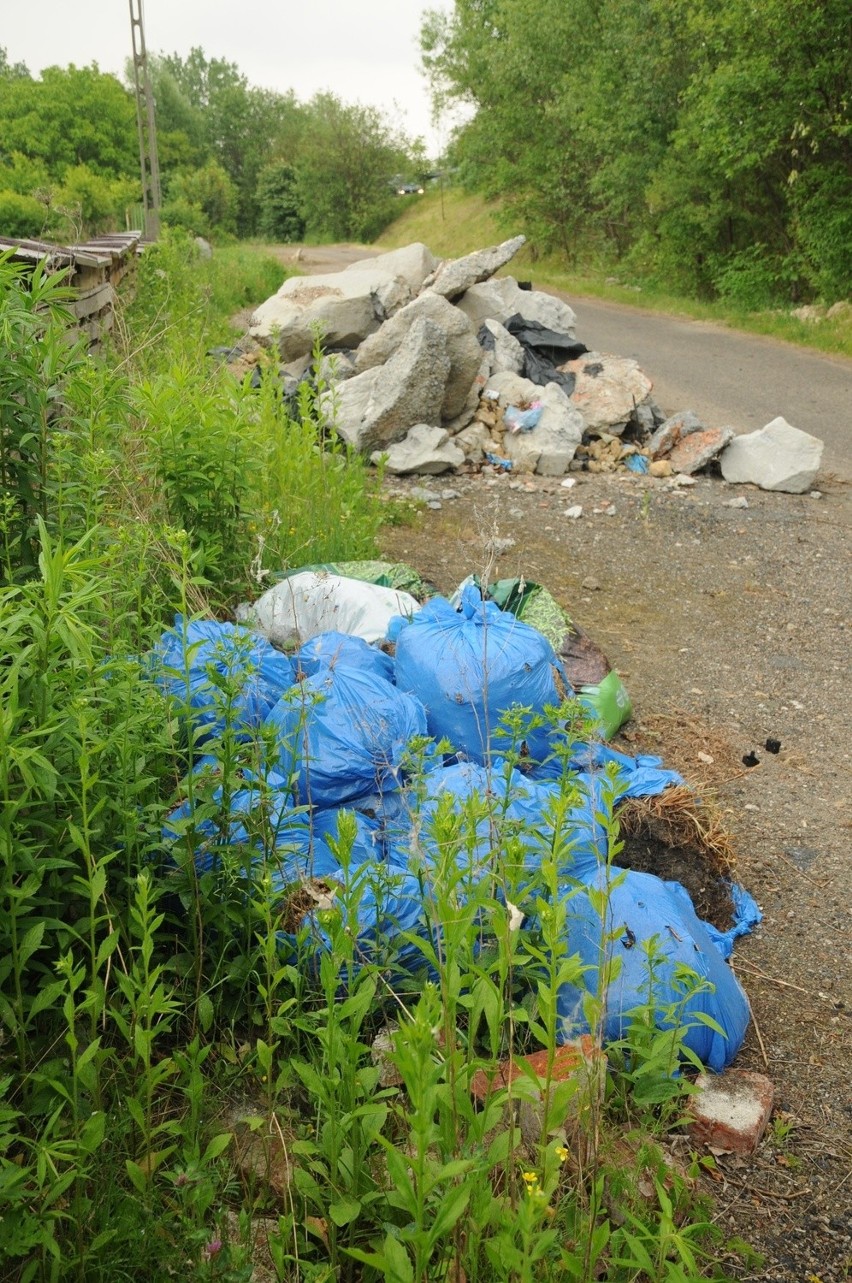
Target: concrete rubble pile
[434, 366]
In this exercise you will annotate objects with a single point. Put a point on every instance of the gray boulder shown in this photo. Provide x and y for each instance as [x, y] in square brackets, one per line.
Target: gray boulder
[343, 307]
[776, 457]
[378, 407]
[606, 390]
[549, 448]
[454, 277]
[508, 353]
[464, 350]
[412, 264]
[424, 450]
[501, 298]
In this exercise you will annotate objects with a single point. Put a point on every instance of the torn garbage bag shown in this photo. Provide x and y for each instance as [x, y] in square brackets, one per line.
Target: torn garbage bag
[470, 667]
[219, 674]
[313, 602]
[342, 733]
[711, 1006]
[544, 352]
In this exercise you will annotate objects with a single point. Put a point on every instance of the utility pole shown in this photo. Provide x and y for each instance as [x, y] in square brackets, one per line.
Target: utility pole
[148, 160]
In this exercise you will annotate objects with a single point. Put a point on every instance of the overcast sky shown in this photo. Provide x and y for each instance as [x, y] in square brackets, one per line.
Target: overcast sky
[362, 50]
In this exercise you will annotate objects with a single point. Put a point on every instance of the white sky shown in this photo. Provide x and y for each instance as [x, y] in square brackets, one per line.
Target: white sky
[363, 50]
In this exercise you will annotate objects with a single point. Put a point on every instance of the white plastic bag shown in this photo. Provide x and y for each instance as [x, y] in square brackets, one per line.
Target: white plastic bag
[314, 602]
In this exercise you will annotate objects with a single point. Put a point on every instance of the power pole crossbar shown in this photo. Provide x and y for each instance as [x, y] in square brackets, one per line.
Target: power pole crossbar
[148, 159]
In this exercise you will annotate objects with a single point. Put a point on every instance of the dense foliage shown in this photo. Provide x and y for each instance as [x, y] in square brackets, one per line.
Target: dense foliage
[705, 142]
[69, 162]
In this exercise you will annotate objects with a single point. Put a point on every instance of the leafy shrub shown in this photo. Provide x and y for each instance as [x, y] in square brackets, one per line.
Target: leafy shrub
[21, 216]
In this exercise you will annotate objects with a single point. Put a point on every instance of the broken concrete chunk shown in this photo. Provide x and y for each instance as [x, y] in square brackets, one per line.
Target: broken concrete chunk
[675, 428]
[378, 407]
[412, 263]
[454, 277]
[507, 353]
[464, 351]
[424, 449]
[475, 440]
[498, 299]
[776, 457]
[342, 307]
[696, 450]
[607, 389]
[551, 445]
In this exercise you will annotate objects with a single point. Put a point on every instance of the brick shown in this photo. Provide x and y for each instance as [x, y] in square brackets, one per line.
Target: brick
[730, 1111]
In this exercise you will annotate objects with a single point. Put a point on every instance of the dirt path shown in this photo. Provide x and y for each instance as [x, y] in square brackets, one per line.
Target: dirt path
[729, 626]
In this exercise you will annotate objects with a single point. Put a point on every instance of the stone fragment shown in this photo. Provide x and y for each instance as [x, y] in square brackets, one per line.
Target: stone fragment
[342, 307]
[260, 1151]
[464, 351]
[412, 264]
[475, 441]
[730, 1111]
[740, 502]
[550, 447]
[575, 511]
[695, 451]
[607, 389]
[381, 1053]
[776, 457]
[502, 297]
[508, 353]
[673, 431]
[378, 407]
[454, 277]
[423, 449]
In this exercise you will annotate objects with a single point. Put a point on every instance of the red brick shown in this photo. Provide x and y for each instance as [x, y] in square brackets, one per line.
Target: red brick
[730, 1111]
[567, 1060]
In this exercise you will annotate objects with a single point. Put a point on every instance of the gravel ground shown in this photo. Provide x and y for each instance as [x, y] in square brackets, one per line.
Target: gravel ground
[730, 625]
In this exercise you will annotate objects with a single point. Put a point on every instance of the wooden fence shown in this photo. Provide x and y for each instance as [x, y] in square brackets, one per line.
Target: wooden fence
[97, 269]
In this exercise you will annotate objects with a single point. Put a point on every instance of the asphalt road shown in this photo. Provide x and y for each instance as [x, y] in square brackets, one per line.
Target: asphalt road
[727, 377]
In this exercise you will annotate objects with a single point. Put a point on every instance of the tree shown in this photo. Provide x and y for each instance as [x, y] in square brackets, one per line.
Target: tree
[346, 161]
[71, 116]
[279, 214]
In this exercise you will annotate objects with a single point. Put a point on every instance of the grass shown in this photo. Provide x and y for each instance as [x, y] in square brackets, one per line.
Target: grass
[454, 223]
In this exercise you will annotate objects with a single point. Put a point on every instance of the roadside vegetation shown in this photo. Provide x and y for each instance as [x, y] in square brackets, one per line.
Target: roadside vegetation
[453, 221]
[186, 1082]
[703, 145]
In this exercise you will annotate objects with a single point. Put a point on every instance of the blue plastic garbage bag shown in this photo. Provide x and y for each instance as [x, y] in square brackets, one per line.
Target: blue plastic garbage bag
[342, 733]
[260, 818]
[338, 650]
[378, 907]
[641, 907]
[469, 667]
[642, 776]
[368, 845]
[196, 660]
[746, 917]
[521, 811]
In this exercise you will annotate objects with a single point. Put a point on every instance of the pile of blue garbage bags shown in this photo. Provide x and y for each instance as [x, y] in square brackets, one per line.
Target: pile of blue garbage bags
[456, 703]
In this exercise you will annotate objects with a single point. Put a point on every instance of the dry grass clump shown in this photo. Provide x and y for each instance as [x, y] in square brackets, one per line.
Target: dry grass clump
[680, 820]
